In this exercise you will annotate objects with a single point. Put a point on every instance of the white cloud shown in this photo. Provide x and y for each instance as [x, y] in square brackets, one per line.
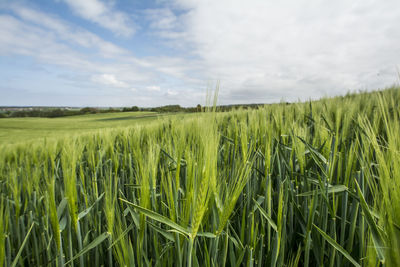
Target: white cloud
[154, 88]
[17, 37]
[162, 18]
[171, 93]
[65, 32]
[265, 50]
[104, 15]
[109, 80]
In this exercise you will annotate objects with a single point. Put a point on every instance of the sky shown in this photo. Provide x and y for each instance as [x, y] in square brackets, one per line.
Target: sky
[148, 53]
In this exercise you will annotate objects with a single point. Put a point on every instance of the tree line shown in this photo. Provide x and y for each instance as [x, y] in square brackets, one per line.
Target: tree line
[63, 112]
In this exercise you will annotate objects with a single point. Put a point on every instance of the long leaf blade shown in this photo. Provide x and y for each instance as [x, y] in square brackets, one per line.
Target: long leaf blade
[337, 246]
[157, 217]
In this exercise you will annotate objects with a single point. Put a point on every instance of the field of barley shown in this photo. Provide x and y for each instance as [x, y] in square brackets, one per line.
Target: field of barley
[304, 184]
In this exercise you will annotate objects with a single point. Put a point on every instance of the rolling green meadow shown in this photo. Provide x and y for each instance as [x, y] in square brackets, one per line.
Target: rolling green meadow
[302, 184]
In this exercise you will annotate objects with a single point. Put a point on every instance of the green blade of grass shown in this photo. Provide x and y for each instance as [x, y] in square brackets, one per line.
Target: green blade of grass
[15, 261]
[83, 213]
[265, 214]
[376, 235]
[90, 246]
[337, 247]
[331, 189]
[157, 217]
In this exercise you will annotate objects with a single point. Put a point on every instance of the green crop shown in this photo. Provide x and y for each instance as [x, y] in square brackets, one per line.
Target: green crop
[303, 184]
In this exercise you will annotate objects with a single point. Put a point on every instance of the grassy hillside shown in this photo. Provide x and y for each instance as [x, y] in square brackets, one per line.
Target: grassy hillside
[17, 130]
[313, 184]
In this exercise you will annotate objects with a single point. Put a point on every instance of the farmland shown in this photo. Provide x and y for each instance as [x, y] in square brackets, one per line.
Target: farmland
[17, 130]
[304, 184]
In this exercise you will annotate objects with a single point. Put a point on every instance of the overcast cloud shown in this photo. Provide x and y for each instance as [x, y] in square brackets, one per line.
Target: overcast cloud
[167, 53]
[294, 49]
